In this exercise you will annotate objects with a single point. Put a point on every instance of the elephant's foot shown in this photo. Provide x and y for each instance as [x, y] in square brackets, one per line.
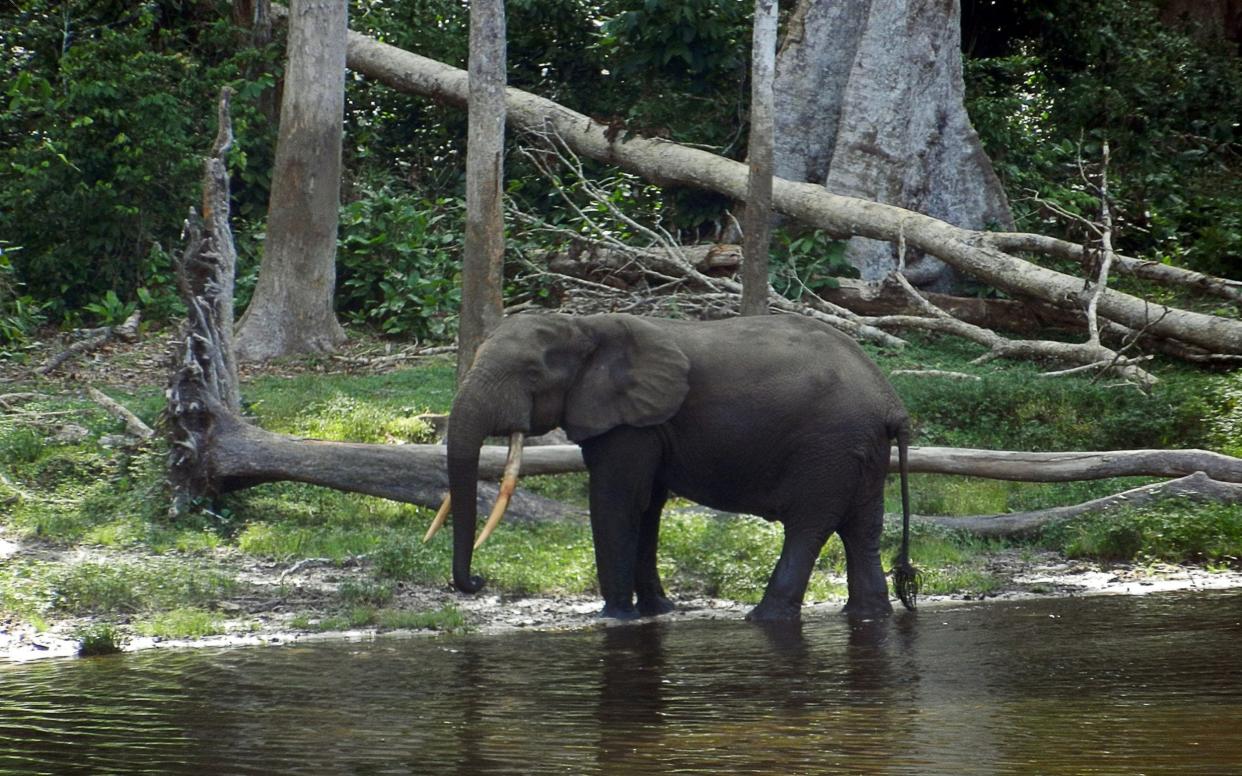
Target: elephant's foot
[770, 611]
[868, 607]
[651, 606]
[619, 612]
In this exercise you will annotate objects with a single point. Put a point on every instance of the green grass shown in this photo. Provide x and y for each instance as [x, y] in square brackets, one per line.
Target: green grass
[99, 638]
[360, 408]
[186, 622]
[1013, 408]
[112, 587]
[447, 618]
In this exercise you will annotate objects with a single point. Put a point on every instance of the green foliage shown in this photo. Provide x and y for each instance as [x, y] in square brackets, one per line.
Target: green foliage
[1178, 530]
[703, 38]
[1226, 421]
[106, 109]
[111, 311]
[1167, 101]
[399, 264]
[20, 445]
[99, 638]
[20, 313]
[807, 262]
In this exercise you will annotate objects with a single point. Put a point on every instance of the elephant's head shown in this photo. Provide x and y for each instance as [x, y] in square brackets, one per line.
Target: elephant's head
[536, 372]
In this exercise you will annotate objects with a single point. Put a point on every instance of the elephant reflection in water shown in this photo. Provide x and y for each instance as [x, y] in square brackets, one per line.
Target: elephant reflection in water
[673, 692]
[777, 416]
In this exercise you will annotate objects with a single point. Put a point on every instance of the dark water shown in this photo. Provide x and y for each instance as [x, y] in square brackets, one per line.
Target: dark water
[1086, 686]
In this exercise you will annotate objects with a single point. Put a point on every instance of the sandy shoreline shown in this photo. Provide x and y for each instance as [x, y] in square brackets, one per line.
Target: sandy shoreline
[1029, 575]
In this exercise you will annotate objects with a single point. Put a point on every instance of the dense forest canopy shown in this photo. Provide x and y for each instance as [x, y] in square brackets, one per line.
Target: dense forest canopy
[107, 104]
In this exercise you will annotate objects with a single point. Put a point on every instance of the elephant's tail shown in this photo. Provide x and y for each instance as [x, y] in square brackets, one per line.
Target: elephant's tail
[906, 577]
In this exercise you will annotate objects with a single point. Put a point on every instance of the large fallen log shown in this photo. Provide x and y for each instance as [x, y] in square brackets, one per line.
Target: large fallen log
[241, 455]
[665, 162]
[1139, 268]
[989, 464]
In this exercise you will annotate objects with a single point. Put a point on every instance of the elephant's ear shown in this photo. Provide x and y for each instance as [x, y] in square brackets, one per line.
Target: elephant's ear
[635, 376]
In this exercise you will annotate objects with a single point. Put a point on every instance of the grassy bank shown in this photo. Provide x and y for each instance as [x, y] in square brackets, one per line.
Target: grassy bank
[89, 506]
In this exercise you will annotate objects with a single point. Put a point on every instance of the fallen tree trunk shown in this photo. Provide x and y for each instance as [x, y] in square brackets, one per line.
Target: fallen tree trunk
[665, 162]
[1020, 316]
[241, 456]
[1026, 524]
[989, 464]
[1148, 270]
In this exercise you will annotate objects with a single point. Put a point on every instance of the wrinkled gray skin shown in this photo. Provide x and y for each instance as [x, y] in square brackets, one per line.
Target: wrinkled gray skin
[776, 416]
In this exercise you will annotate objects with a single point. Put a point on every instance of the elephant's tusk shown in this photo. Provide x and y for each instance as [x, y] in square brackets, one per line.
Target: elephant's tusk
[513, 465]
[441, 516]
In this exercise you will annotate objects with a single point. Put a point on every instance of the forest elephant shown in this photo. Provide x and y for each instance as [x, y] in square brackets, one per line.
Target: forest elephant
[777, 416]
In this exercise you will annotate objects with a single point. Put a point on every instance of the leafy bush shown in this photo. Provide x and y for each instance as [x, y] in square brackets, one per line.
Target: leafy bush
[398, 264]
[20, 314]
[100, 638]
[1166, 100]
[807, 262]
[99, 132]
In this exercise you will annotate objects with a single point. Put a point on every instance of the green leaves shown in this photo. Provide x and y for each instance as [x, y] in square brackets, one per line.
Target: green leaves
[399, 264]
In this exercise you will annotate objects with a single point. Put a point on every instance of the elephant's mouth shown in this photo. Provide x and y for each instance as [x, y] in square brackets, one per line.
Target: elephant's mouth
[508, 484]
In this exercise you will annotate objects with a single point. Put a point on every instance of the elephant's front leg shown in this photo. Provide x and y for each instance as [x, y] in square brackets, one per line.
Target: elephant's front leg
[622, 465]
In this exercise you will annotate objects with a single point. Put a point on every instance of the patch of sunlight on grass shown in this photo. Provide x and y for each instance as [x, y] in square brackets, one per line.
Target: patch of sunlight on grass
[182, 623]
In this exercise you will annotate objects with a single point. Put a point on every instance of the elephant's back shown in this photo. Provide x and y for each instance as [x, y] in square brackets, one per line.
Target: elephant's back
[788, 358]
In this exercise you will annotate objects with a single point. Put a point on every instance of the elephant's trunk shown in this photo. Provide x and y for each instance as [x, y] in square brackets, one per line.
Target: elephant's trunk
[465, 437]
[483, 407]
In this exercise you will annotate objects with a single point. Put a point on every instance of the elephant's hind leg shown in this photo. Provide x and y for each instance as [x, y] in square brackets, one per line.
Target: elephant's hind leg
[860, 534]
[805, 535]
[651, 597]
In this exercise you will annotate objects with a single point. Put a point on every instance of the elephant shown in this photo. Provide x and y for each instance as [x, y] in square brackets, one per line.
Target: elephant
[779, 416]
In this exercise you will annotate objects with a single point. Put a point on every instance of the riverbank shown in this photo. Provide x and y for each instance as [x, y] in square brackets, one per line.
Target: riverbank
[90, 556]
[288, 603]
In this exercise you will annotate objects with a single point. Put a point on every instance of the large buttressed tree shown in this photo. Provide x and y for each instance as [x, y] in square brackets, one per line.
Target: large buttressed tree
[869, 102]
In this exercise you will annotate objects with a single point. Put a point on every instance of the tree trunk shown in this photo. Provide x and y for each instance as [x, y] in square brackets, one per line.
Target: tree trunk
[757, 234]
[242, 455]
[870, 104]
[482, 272]
[292, 309]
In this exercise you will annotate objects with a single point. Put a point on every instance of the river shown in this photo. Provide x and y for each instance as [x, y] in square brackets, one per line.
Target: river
[1100, 685]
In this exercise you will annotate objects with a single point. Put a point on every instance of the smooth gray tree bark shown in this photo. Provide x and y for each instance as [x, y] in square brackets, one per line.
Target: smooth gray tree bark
[292, 308]
[869, 103]
[482, 272]
[756, 237]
